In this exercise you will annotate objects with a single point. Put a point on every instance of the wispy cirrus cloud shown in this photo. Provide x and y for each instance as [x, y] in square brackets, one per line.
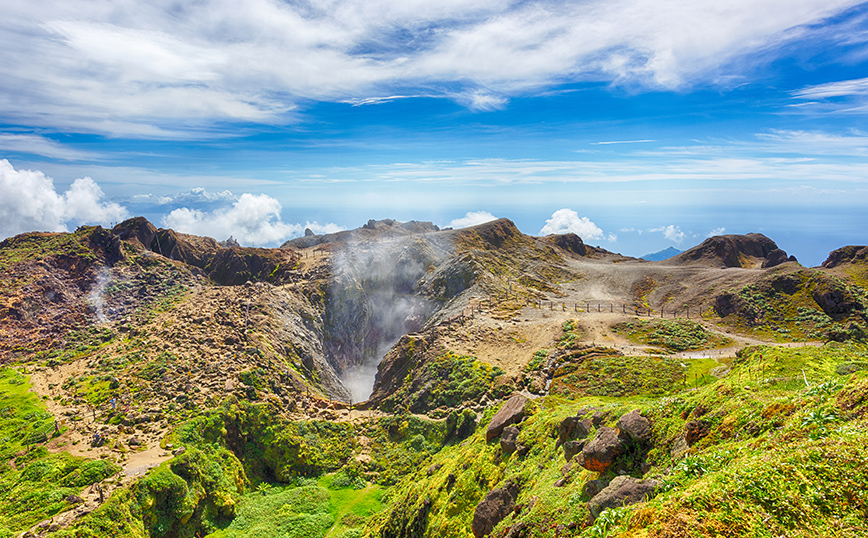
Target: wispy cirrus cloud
[158, 71]
[45, 147]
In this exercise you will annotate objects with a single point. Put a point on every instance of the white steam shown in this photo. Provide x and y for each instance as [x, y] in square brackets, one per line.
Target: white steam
[95, 297]
[373, 303]
[29, 202]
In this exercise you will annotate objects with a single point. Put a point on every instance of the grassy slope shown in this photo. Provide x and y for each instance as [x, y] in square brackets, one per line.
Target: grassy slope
[779, 458]
[34, 485]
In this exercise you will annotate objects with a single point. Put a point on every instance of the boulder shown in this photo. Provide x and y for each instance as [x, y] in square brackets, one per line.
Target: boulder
[511, 413]
[601, 452]
[593, 487]
[496, 505]
[74, 499]
[573, 428]
[634, 426]
[508, 439]
[571, 448]
[599, 417]
[621, 491]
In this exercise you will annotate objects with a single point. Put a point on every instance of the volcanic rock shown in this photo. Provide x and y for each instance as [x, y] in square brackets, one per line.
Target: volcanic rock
[511, 413]
[846, 255]
[508, 439]
[601, 452]
[496, 505]
[746, 251]
[621, 491]
[635, 426]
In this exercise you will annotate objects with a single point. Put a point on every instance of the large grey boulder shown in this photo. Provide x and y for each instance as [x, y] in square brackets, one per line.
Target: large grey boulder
[511, 413]
[491, 510]
[621, 491]
[636, 427]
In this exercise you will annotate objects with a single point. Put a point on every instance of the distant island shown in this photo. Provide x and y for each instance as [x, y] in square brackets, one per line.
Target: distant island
[662, 255]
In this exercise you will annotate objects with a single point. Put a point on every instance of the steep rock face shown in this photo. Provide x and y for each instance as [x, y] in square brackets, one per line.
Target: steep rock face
[569, 242]
[745, 251]
[395, 365]
[226, 266]
[853, 254]
[372, 300]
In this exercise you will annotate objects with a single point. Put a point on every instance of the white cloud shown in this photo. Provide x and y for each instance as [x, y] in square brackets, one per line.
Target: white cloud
[29, 202]
[193, 196]
[252, 220]
[671, 232]
[834, 89]
[472, 218]
[40, 145]
[716, 231]
[138, 68]
[568, 221]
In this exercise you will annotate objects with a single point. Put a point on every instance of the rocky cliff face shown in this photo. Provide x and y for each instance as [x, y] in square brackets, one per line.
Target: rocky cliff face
[847, 255]
[746, 251]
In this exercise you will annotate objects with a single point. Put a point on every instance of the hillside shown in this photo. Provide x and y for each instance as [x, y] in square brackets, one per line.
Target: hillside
[400, 380]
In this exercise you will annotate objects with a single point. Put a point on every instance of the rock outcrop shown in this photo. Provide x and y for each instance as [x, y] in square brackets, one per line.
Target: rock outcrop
[511, 413]
[508, 439]
[621, 491]
[634, 426]
[746, 251]
[601, 452]
[496, 505]
[853, 254]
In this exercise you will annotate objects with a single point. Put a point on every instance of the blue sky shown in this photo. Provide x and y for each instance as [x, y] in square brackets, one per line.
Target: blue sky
[637, 124]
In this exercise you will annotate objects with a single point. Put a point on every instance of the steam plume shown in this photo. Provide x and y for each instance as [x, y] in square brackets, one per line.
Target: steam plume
[95, 297]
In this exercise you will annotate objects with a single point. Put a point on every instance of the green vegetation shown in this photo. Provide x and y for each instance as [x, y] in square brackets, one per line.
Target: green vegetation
[35, 485]
[801, 306]
[672, 335]
[448, 380]
[573, 335]
[617, 375]
[776, 459]
[37, 246]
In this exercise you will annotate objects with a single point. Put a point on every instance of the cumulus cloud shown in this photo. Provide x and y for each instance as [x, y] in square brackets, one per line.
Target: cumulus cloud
[568, 221]
[29, 202]
[671, 232]
[254, 219]
[472, 218]
[716, 231]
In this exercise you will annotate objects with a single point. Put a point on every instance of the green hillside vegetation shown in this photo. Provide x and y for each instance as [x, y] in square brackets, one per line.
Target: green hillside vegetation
[35, 485]
[781, 452]
[799, 307]
[671, 335]
[778, 458]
